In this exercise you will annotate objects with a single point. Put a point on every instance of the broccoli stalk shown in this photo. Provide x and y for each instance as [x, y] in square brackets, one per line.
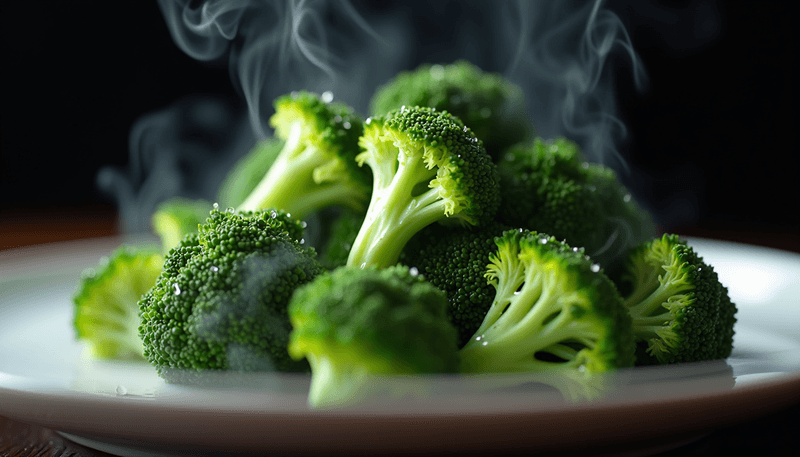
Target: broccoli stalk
[554, 310]
[315, 168]
[427, 167]
[680, 310]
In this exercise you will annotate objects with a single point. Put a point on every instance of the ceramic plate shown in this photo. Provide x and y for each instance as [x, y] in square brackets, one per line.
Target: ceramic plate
[124, 408]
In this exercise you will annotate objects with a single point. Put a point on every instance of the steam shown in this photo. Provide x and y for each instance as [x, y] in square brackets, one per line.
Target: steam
[562, 53]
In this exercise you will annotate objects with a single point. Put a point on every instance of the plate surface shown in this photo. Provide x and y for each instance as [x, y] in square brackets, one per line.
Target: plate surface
[126, 409]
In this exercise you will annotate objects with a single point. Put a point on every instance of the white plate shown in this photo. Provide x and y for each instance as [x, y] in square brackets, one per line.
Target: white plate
[124, 408]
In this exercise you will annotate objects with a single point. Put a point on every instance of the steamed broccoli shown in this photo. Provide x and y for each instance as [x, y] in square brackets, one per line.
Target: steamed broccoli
[554, 310]
[681, 312]
[427, 167]
[316, 166]
[487, 103]
[247, 172]
[546, 186]
[220, 302]
[106, 311]
[177, 217]
[356, 325]
[455, 260]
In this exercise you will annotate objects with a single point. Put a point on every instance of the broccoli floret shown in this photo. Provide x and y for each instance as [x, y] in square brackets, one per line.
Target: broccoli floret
[681, 312]
[316, 167]
[106, 311]
[554, 310]
[220, 302]
[546, 186]
[356, 325]
[427, 167]
[177, 217]
[488, 103]
[455, 260]
[245, 175]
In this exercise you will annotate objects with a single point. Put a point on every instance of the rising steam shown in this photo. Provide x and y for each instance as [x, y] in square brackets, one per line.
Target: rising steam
[560, 53]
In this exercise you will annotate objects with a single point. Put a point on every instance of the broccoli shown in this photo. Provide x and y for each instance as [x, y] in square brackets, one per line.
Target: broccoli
[546, 186]
[106, 312]
[681, 312]
[455, 260]
[316, 167]
[488, 103]
[177, 217]
[427, 167]
[247, 172]
[357, 325]
[555, 310]
[334, 247]
[220, 302]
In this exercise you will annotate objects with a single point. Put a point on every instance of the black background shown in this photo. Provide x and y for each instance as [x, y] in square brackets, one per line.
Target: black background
[711, 140]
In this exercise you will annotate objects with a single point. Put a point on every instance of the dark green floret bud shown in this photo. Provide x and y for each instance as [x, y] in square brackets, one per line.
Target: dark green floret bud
[220, 303]
[357, 326]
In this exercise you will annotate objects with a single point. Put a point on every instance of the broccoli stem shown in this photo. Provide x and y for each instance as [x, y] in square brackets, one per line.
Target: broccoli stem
[395, 214]
[290, 185]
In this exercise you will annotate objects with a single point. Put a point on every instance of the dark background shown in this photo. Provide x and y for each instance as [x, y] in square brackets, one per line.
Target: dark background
[711, 146]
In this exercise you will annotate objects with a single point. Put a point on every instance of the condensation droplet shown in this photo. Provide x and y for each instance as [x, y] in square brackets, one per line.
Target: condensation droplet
[543, 240]
[214, 269]
[121, 390]
[302, 241]
[595, 268]
[303, 224]
[413, 271]
[216, 205]
[346, 125]
[176, 289]
[327, 96]
[627, 198]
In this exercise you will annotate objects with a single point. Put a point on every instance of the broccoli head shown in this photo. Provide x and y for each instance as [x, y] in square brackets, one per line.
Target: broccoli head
[487, 103]
[681, 312]
[547, 186]
[356, 325]
[106, 311]
[554, 310]
[220, 302]
[455, 261]
[315, 168]
[427, 167]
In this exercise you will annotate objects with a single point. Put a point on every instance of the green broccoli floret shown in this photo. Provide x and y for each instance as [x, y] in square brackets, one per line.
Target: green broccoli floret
[488, 103]
[681, 312]
[106, 311]
[220, 302]
[245, 175]
[455, 260]
[427, 167]
[177, 217]
[554, 310]
[357, 325]
[316, 166]
[547, 186]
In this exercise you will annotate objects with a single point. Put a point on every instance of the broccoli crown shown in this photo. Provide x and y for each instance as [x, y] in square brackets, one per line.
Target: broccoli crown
[106, 311]
[245, 175]
[547, 186]
[220, 302]
[355, 323]
[316, 166]
[427, 167]
[455, 261]
[487, 103]
[681, 312]
[175, 218]
[554, 310]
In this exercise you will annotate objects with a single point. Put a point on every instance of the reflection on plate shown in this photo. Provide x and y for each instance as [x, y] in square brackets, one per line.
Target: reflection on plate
[126, 409]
